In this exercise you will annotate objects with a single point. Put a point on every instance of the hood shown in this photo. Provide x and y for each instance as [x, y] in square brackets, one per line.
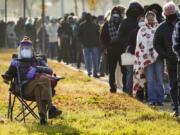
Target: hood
[134, 7]
[157, 7]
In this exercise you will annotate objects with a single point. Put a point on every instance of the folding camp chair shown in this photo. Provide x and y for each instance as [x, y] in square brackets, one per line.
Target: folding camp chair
[27, 108]
[15, 92]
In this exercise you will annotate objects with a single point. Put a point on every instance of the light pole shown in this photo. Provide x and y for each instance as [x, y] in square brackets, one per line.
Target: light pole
[5, 15]
[76, 7]
[62, 7]
[24, 9]
[83, 5]
[43, 26]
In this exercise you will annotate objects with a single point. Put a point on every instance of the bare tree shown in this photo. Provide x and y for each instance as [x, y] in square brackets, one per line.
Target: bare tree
[103, 5]
[76, 7]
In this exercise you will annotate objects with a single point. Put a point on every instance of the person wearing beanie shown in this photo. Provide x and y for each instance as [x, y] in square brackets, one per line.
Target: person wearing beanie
[163, 45]
[134, 11]
[109, 40]
[35, 84]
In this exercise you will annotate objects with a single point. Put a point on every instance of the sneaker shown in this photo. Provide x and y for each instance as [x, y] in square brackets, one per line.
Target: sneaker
[113, 90]
[96, 76]
[54, 112]
[102, 75]
[89, 74]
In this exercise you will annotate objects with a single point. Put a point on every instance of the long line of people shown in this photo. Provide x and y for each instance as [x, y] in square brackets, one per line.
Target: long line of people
[146, 33]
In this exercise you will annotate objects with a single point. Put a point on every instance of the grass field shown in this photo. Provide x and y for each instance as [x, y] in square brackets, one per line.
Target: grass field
[88, 108]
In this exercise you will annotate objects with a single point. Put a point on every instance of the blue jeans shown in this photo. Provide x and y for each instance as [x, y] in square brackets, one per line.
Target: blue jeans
[53, 47]
[129, 79]
[91, 56]
[154, 76]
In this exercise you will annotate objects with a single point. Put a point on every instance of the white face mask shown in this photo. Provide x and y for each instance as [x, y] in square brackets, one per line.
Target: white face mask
[26, 53]
[140, 24]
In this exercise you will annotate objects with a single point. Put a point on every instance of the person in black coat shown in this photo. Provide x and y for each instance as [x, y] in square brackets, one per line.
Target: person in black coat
[163, 45]
[109, 40]
[128, 24]
[89, 37]
[176, 50]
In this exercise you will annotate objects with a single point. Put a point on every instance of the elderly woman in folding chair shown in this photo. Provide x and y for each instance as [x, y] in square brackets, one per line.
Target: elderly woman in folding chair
[35, 78]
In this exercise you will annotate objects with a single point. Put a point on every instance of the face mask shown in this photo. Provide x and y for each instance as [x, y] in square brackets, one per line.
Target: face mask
[140, 24]
[135, 14]
[26, 53]
[116, 18]
[172, 18]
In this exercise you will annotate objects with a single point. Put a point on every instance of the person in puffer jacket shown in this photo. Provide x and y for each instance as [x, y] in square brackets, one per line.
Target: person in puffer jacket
[35, 77]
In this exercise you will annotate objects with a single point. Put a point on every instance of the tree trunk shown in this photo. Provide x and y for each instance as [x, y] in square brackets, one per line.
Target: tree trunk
[76, 7]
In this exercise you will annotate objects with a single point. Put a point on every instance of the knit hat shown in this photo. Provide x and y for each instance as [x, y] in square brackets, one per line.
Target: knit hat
[26, 41]
[169, 8]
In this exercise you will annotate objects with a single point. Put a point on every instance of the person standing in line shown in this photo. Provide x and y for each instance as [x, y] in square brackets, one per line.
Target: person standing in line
[163, 45]
[52, 29]
[134, 10]
[89, 37]
[109, 38]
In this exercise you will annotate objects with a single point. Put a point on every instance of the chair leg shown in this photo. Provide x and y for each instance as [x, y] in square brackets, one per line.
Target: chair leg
[23, 111]
[12, 107]
[34, 115]
[30, 110]
[27, 107]
[9, 105]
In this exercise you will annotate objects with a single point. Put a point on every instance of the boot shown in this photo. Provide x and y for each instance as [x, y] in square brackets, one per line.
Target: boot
[54, 112]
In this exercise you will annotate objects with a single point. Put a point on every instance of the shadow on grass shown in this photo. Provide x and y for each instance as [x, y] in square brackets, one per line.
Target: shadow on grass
[52, 129]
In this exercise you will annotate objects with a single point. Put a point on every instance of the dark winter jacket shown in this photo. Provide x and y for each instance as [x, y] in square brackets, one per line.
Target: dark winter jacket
[132, 40]
[176, 40]
[89, 34]
[65, 30]
[27, 69]
[126, 27]
[163, 42]
[106, 41]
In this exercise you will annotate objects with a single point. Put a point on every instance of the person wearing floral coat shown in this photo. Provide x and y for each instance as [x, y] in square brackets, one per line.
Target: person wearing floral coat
[146, 68]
